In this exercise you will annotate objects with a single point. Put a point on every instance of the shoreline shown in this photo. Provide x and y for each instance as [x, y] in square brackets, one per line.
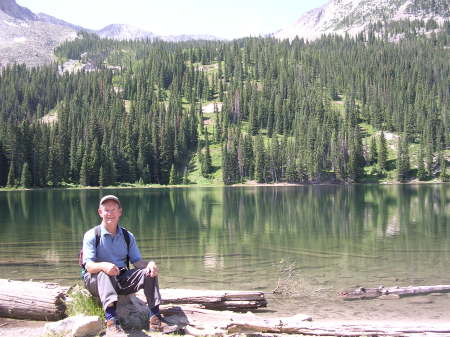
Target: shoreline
[246, 184]
[14, 327]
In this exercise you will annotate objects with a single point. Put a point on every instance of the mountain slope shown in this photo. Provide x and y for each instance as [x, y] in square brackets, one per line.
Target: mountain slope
[51, 19]
[124, 32]
[11, 8]
[353, 16]
[25, 39]
[128, 32]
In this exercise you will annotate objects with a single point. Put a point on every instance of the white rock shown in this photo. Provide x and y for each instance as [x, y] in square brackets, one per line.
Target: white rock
[76, 326]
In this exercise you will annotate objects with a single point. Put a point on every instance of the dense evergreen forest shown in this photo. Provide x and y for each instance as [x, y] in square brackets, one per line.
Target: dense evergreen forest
[338, 109]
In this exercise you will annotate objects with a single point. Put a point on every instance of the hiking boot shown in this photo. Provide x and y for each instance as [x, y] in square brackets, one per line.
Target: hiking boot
[157, 324]
[113, 329]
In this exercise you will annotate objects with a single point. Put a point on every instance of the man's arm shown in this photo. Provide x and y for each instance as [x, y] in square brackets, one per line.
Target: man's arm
[95, 267]
[151, 267]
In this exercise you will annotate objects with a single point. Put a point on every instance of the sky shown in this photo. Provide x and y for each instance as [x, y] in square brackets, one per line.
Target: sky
[223, 19]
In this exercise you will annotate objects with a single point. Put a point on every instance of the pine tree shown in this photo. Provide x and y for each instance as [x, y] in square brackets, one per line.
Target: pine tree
[25, 179]
[173, 180]
[11, 182]
[52, 179]
[84, 174]
[260, 160]
[186, 176]
[356, 158]
[421, 174]
[206, 164]
[200, 158]
[429, 159]
[403, 164]
[291, 173]
[101, 177]
[382, 152]
[443, 169]
[373, 153]
[3, 166]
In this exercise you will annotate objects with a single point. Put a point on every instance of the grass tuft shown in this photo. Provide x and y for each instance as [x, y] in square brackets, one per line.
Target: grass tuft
[82, 302]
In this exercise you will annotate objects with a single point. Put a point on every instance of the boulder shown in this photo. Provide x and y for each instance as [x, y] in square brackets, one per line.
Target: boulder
[132, 312]
[75, 326]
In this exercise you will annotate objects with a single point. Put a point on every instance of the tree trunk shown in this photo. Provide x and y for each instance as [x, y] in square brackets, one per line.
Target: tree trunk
[32, 300]
[46, 301]
[216, 299]
[370, 293]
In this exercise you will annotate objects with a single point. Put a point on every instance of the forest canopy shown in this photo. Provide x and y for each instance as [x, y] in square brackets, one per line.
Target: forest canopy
[284, 111]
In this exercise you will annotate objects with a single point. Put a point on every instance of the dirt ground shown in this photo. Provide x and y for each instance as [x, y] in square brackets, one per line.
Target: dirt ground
[13, 328]
[23, 328]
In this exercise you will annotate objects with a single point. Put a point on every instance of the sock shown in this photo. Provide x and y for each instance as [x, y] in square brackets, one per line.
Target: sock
[110, 312]
[154, 312]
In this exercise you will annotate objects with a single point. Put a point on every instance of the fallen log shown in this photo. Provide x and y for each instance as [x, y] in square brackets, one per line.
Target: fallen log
[46, 301]
[222, 322]
[32, 300]
[370, 293]
[203, 322]
[214, 299]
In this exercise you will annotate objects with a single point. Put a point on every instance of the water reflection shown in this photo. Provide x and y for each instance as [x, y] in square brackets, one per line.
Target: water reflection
[211, 236]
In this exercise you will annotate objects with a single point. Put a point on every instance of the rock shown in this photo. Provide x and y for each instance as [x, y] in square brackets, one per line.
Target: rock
[132, 312]
[76, 326]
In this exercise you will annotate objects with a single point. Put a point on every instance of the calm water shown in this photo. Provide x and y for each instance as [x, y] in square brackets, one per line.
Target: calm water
[324, 239]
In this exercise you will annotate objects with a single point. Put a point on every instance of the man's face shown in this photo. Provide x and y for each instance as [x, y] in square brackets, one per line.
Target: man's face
[110, 212]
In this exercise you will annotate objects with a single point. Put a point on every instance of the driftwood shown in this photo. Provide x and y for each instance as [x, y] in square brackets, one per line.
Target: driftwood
[214, 299]
[46, 301]
[32, 300]
[202, 322]
[370, 293]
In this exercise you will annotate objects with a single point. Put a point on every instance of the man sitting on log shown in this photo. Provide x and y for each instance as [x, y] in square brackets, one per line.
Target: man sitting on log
[107, 251]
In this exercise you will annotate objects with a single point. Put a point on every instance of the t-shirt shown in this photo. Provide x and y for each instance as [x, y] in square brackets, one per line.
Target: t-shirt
[111, 248]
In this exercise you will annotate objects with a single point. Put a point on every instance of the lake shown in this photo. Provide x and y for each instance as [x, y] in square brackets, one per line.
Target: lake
[311, 241]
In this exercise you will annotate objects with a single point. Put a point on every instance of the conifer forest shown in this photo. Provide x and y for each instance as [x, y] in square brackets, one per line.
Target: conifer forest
[339, 109]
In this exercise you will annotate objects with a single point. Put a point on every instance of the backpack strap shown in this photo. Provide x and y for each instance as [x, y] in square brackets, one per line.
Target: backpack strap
[126, 235]
[97, 235]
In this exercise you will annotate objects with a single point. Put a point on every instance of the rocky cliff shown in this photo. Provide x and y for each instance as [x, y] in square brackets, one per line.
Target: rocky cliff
[353, 16]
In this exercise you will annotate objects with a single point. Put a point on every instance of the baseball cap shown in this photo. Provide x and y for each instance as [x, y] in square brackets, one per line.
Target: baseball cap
[109, 197]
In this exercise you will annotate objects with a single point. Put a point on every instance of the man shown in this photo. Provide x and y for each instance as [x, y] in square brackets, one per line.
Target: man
[107, 274]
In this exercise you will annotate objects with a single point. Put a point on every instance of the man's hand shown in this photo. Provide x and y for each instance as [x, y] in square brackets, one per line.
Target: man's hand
[151, 269]
[111, 269]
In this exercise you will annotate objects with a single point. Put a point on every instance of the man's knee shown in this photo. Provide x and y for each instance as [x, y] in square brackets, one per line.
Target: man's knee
[102, 275]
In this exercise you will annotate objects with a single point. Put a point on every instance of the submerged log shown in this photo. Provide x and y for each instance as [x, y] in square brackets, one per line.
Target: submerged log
[370, 293]
[32, 300]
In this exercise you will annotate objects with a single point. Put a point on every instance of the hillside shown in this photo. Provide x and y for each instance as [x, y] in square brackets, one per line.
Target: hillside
[335, 110]
[257, 109]
[29, 41]
[354, 16]
[124, 32]
[12, 9]
[28, 38]
[129, 32]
